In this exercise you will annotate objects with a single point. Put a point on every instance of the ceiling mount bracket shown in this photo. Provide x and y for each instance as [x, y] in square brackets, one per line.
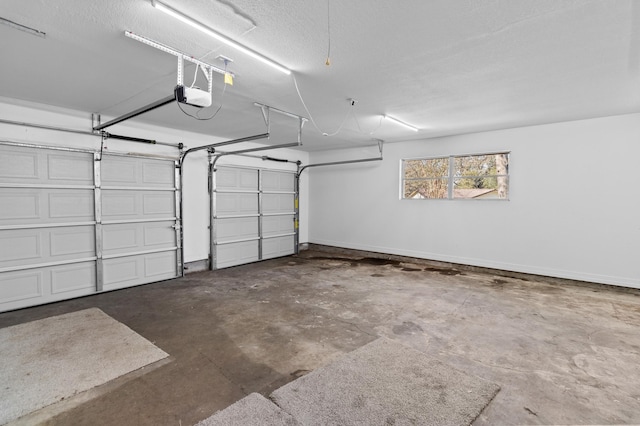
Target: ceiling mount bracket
[266, 115]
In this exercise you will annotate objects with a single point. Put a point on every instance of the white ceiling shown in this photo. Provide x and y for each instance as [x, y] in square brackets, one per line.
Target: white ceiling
[446, 66]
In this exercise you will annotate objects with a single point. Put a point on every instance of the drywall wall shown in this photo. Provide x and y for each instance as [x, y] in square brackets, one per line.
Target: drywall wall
[573, 209]
[195, 179]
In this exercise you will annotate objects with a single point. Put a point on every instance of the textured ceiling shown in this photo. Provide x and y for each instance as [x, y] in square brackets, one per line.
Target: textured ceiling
[446, 66]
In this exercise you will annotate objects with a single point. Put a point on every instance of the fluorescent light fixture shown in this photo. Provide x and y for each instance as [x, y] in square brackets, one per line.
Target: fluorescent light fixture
[201, 27]
[401, 123]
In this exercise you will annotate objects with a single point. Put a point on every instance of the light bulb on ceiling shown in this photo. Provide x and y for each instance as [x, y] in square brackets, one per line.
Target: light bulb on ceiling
[401, 123]
[203, 28]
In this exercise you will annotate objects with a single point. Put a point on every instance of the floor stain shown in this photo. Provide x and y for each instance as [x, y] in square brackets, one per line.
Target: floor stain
[443, 271]
[374, 261]
[498, 283]
[299, 373]
[406, 328]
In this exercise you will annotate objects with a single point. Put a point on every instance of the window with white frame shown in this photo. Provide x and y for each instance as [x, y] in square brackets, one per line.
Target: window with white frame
[469, 177]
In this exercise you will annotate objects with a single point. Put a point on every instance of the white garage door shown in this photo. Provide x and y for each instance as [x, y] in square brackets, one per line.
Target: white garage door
[62, 236]
[139, 221]
[253, 215]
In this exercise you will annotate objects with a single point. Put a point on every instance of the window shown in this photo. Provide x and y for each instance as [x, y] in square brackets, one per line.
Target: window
[484, 176]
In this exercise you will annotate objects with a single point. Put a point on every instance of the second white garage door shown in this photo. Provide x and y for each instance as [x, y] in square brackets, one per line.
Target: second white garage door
[252, 215]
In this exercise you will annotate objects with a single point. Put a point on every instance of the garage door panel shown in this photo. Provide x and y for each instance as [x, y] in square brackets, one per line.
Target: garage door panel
[135, 237]
[228, 178]
[128, 271]
[236, 254]
[16, 165]
[160, 265]
[277, 181]
[120, 271]
[71, 205]
[76, 168]
[73, 278]
[44, 245]
[121, 237]
[21, 285]
[17, 206]
[116, 204]
[137, 205]
[277, 203]
[158, 204]
[137, 172]
[20, 247]
[228, 204]
[46, 284]
[159, 235]
[277, 247]
[72, 241]
[236, 229]
[24, 165]
[277, 225]
[118, 171]
[20, 206]
[160, 173]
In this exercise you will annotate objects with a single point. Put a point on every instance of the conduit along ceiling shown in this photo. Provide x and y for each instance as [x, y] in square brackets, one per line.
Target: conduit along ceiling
[446, 67]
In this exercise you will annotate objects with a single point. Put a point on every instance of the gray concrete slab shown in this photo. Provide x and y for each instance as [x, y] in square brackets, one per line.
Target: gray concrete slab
[386, 383]
[52, 359]
[562, 352]
[252, 410]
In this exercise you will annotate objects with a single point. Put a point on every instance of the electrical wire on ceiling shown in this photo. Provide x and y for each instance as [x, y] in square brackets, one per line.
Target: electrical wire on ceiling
[195, 75]
[371, 133]
[328, 61]
[352, 104]
[350, 112]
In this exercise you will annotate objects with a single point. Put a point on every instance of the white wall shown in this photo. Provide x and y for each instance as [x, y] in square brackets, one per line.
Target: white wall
[574, 209]
[195, 192]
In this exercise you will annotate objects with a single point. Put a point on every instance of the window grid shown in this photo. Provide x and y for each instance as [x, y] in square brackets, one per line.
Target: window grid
[474, 176]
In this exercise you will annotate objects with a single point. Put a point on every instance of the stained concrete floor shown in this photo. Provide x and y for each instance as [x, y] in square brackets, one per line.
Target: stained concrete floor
[562, 352]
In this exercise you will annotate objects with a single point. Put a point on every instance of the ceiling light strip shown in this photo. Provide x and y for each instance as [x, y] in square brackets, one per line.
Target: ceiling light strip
[401, 123]
[172, 51]
[201, 27]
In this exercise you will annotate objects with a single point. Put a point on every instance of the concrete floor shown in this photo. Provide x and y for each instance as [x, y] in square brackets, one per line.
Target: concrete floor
[563, 352]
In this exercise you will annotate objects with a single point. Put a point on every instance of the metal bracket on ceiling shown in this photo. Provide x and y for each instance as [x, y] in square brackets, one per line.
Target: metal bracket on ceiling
[266, 115]
[207, 71]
